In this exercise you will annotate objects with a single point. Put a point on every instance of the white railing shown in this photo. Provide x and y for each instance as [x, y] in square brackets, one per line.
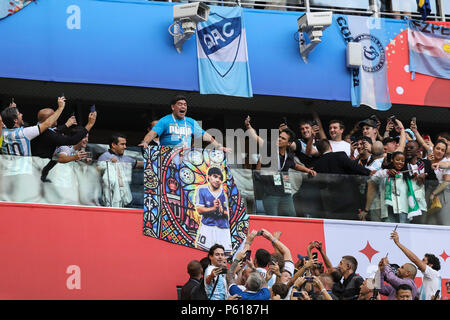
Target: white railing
[373, 8]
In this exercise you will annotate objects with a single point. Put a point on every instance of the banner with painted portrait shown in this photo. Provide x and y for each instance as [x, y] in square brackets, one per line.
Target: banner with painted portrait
[191, 199]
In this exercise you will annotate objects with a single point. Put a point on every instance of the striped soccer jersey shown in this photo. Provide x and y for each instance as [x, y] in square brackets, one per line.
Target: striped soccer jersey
[16, 141]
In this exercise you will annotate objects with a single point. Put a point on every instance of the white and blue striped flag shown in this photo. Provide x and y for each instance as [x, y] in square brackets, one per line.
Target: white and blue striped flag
[222, 53]
[369, 83]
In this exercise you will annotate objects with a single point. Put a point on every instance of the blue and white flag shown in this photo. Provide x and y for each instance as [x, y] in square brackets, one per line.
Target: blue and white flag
[429, 49]
[369, 85]
[222, 53]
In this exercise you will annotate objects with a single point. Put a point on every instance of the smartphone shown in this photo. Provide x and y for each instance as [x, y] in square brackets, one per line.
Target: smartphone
[259, 233]
[297, 294]
[12, 100]
[247, 255]
[93, 108]
[62, 95]
[389, 157]
[314, 123]
[314, 255]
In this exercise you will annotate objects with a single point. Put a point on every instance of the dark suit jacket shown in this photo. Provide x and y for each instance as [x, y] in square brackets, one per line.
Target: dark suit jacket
[45, 144]
[187, 288]
[338, 163]
[340, 187]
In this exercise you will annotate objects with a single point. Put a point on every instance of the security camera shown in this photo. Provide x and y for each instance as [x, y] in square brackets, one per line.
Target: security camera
[196, 12]
[310, 28]
[185, 17]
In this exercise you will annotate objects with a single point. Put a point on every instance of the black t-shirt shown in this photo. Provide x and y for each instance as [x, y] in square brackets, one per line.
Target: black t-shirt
[266, 182]
[286, 161]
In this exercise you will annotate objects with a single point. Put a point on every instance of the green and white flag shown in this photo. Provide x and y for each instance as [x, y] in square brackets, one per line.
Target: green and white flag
[413, 205]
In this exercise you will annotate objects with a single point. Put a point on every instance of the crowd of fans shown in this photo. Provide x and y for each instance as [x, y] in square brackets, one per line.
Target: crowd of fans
[275, 276]
[62, 144]
[399, 163]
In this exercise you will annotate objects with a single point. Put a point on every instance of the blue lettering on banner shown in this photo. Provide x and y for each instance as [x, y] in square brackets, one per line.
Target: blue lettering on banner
[346, 33]
[429, 28]
[219, 35]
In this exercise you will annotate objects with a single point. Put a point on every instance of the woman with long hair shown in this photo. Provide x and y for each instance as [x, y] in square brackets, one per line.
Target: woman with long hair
[442, 192]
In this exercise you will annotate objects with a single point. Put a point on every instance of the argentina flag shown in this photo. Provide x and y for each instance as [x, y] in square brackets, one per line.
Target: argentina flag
[222, 53]
[429, 49]
[369, 85]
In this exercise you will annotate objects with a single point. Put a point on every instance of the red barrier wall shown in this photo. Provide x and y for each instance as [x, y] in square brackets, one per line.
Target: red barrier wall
[64, 252]
[38, 243]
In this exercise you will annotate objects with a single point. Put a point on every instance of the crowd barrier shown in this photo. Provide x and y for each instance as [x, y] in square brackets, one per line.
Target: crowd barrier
[108, 184]
[85, 182]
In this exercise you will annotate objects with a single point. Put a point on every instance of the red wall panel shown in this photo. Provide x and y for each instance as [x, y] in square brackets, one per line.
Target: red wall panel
[39, 242]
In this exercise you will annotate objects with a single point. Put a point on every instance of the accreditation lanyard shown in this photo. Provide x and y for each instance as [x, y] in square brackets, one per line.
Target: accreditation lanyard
[185, 141]
[280, 176]
[284, 162]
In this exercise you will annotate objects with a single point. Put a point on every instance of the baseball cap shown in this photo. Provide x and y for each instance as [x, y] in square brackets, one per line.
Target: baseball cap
[368, 122]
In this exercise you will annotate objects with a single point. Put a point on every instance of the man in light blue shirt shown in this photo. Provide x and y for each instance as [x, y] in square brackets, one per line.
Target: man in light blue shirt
[215, 281]
[177, 130]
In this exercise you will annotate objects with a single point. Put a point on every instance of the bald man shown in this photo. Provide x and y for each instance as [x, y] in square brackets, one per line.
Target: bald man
[44, 146]
[404, 275]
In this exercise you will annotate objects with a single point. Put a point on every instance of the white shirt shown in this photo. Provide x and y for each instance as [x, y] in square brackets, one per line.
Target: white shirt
[419, 191]
[340, 146]
[441, 172]
[67, 150]
[430, 284]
